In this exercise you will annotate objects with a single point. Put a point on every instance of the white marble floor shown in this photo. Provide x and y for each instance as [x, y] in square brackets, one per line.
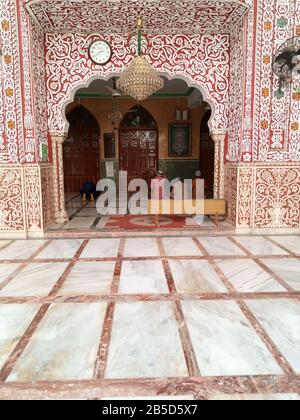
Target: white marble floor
[154, 313]
[84, 216]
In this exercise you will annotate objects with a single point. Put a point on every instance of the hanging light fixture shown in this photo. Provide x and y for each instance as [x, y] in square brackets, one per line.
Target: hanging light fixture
[115, 116]
[140, 80]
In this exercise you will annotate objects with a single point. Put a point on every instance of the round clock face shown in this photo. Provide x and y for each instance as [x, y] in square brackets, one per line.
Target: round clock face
[100, 52]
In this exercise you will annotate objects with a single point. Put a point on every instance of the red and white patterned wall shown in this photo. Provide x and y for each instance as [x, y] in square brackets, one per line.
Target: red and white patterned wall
[270, 129]
[233, 70]
[202, 60]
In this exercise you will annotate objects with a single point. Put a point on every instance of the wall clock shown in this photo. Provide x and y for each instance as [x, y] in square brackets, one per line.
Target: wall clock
[100, 52]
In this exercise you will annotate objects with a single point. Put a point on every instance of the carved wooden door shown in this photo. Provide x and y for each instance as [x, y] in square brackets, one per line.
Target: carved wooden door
[81, 150]
[138, 153]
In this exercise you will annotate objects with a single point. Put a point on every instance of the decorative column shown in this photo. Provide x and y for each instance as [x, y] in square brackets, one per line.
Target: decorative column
[219, 176]
[60, 213]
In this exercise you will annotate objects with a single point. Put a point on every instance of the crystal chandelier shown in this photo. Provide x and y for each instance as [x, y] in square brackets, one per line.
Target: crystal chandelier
[140, 80]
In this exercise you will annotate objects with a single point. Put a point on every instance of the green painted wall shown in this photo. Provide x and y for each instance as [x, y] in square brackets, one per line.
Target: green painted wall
[172, 168]
[184, 168]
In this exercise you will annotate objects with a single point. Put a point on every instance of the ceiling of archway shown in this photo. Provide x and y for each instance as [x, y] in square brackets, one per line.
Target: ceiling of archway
[119, 16]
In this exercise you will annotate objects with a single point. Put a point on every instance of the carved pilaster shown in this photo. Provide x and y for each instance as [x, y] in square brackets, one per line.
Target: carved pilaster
[219, 175]
[60, 213]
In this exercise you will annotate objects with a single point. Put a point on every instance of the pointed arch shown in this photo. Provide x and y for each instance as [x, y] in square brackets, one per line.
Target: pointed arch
[138, 117]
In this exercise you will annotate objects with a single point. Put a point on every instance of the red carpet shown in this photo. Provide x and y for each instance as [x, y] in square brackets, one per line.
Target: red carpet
[147, 222]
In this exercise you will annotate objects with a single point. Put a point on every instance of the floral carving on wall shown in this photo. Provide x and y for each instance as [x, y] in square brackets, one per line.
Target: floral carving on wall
[275, 138]
[119, 16]
[47, 194]
[11, 199]
[277, 197]
[32, 179]
[231, 176]
[245, 196]
[202, 60]
[235, 92]
[11, 134]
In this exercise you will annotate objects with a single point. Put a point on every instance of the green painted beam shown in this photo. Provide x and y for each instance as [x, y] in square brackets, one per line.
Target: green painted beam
[156, 95]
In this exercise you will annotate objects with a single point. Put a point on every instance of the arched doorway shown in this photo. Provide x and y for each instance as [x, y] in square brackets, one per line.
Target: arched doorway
[61, 125]
[138, 144]
[81, 149]
[207, 155]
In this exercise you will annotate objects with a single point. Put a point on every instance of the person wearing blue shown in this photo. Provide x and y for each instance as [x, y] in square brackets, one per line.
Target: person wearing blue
[88, 191]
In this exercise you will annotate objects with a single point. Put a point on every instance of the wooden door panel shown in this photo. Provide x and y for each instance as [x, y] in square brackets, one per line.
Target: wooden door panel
[81, 150]
[138, 152]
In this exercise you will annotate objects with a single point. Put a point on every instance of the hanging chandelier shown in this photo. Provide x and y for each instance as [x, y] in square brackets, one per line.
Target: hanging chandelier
[140, 80]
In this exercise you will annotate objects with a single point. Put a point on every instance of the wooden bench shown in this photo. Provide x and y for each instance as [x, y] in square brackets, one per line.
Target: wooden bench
[210, 207]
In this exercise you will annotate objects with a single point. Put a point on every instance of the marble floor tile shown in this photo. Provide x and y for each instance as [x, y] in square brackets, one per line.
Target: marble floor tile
[65, 345]
[192, 276]
[70, 213]
[101, 248]
[194, 221]
[207, 222]
[71, 195]
[224, 341]
[180, 247]
[281, 320]
[80, 223]
[292, 243]
[255, 397]
[87, 211]
[91, 204]
[288, 269]
[6, 270]
[248, 277]
[21, 250]
[141, 247]
[35, 280]
[152, 398]
[220, 246]
[14, 320]
[143, 277]
[258, 245]
[145, 342]
[89, 278]
[3, 243]
[60, 248]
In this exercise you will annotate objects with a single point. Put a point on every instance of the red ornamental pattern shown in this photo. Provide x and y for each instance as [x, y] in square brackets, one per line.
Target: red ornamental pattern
[119, 16]
[40, 93]
[27, 87]
[32, 185]
[277, 197]
[247, 89]
[11, 136]
[47, 194]
[231, 180]
[11, 201]
[236, 87]
[273, 139]
[202, 60]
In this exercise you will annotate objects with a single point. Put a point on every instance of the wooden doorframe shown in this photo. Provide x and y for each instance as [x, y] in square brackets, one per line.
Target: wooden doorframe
[142, 128]
[98, 162]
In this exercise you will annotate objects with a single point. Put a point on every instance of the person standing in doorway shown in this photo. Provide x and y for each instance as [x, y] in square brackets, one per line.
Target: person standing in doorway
[159, 186]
